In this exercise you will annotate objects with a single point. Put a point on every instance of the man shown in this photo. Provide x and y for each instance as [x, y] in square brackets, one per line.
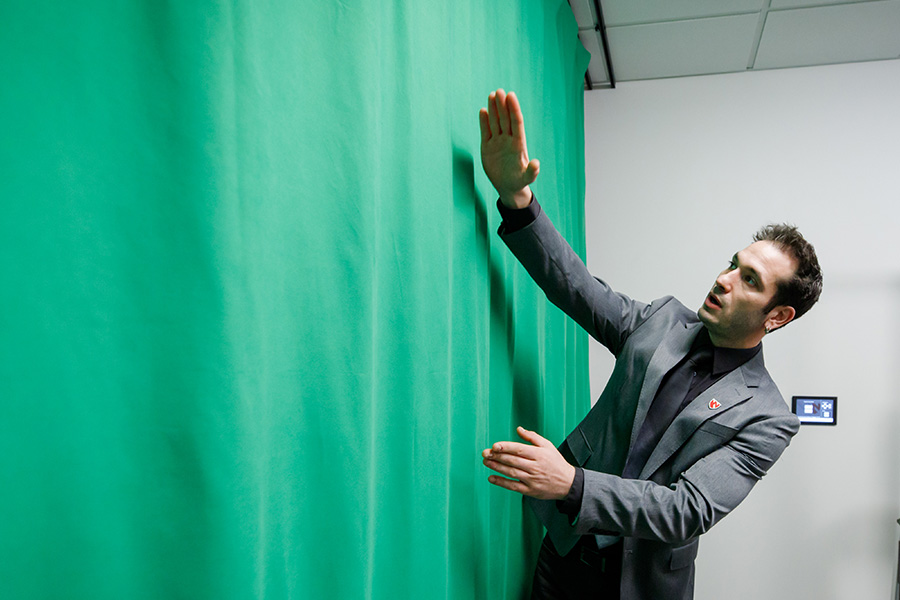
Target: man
[689, 421]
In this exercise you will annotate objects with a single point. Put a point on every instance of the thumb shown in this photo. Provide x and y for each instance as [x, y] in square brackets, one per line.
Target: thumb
[532, 170]
[532, 437]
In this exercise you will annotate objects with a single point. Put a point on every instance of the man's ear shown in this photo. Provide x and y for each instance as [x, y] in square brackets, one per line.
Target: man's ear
[779, 317]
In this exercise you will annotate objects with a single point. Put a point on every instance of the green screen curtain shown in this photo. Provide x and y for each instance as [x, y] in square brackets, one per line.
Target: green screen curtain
[256, 326]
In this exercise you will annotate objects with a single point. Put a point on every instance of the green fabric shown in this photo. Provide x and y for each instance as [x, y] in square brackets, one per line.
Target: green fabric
[255, 324]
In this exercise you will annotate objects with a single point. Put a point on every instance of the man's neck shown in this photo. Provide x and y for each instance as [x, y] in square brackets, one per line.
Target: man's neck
[744, 344]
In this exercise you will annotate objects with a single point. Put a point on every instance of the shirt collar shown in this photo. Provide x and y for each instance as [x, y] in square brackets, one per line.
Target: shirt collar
[725, 359]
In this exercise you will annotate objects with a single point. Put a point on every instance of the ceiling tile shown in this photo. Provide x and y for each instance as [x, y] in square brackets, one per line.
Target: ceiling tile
[584, 12]
[698, 47]
[630, 12]
[597, 67]
[776, 4]
[830, 34]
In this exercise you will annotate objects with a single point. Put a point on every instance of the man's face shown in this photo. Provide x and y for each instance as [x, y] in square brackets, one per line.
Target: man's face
[733, 310]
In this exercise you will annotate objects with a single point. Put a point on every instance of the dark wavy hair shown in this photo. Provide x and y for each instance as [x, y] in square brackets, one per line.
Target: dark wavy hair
[803, 289]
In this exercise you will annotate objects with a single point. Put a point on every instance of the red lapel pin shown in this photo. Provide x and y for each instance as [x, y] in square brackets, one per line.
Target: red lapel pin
[714, 404]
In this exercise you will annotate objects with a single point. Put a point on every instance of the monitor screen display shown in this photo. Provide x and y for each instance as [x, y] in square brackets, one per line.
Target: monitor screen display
[815, 410]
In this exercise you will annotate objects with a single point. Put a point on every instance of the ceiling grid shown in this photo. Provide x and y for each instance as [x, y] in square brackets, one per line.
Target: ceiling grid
[655, 39]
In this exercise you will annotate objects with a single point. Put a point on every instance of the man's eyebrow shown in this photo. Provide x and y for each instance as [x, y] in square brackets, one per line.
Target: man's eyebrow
[752, 271]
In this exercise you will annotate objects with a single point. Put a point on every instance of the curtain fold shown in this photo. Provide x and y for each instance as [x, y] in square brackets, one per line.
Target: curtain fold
[257, 326]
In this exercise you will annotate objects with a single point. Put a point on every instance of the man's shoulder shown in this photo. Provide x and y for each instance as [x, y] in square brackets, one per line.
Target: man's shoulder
[768, 390]
[767, 398]
[668, 310]
[657, 321]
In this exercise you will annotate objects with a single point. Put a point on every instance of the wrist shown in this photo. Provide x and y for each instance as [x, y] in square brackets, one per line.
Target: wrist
[566, 484]
[517, 200]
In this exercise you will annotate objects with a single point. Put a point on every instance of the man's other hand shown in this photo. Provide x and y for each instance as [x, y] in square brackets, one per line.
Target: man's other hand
[504, 154]
[536, 469]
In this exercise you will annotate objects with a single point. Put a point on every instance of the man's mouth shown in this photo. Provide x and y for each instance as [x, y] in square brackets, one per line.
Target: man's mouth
[713, 302]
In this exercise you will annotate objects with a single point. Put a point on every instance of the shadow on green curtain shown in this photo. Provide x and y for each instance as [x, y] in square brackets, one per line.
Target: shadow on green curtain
[256, 325]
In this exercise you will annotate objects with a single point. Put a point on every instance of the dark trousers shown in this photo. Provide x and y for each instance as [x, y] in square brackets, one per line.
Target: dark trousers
[585, 572]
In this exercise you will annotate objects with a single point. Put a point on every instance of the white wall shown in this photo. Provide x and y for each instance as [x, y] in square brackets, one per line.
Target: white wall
[680, 173]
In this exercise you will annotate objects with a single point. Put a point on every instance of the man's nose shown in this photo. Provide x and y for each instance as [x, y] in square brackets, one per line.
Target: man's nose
[723, 281]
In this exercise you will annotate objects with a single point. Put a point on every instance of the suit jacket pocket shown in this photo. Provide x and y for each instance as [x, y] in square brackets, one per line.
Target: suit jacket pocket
[579, 446]
[684, 556]
[709, 437]
[722, 431]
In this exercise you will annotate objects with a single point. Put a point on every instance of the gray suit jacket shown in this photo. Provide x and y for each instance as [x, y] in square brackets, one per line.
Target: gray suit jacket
[707, 461]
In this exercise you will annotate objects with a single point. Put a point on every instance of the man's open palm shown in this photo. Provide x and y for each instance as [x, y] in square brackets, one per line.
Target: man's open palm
[504, 153]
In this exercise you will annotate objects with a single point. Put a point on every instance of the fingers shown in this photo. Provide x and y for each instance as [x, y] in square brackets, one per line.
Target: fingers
[507, 470]
[493, 119]
[531, 436]
[515, 471]
[516, 462]
[485, 125]
[532, 170]
[504, 115]
[503, 112]
[508, 484]
[510, 460]
[516, 120]
[512, 448]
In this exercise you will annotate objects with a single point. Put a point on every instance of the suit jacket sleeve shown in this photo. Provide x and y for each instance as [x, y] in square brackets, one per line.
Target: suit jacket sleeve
[608, 316]
[703, 494]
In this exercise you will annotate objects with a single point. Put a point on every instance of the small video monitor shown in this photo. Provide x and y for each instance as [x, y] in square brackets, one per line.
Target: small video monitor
[815, 410]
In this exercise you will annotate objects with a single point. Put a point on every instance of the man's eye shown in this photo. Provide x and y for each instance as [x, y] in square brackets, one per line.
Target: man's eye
[732, 265]
[750, 280]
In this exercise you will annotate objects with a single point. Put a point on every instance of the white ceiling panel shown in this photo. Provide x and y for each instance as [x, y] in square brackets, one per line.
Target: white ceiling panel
[630, 12]
[778, 4]
[584, 12]
[597, 68]
[697, 47]
[830, 34]
[651, 39]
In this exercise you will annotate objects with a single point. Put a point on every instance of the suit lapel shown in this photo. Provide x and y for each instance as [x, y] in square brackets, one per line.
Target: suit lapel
[731, 390]
[674, 346]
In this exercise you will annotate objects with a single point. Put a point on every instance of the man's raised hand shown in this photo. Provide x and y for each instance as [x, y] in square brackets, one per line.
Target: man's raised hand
[504, 154]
